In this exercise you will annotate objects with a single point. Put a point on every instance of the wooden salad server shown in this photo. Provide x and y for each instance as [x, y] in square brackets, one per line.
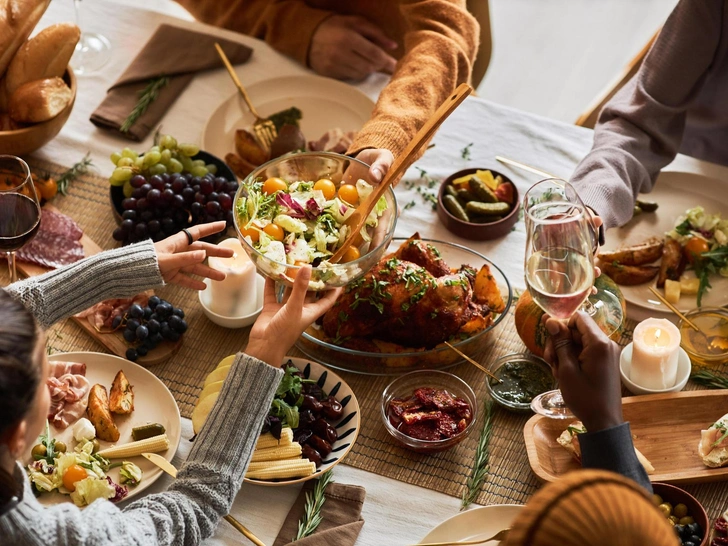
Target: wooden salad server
[357, 220]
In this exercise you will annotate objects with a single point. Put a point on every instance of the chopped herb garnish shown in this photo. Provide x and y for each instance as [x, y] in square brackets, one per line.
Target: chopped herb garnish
[465, 152]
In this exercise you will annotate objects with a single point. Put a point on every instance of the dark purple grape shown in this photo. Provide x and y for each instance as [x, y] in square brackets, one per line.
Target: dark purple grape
[137, 181]
[189, 194]
[146, 187]
[153, 226]
[200, 198]
[213, 207]
[129, 335]
[153, 302]
[156, 339]
[136, 311]
[187, 176]
[140, 230]
[129, 203]
[225, 201]
[213, 196]
[146, 216]
[147, 312]
[175, 176]
[153, 196]
[178, 202]
[127, 226]
[116, 322]
[196, 187]
[142, 204]
[163, 310]
[206, 186]
[132, 324]
[179, 185]
[138, 193]
[177, 324]
[167, 186]
[231, 187]
[195, 208]
[229, 218]
[178, 312]
[165, 178]
[129, 215]
[168, 195]
[195, 181]
[168, 226]
[165, 330]
[156, 182]
[220, 183]
[132, 354]
[142, 332]
[119, 234]
[142, 350]
[153, 325]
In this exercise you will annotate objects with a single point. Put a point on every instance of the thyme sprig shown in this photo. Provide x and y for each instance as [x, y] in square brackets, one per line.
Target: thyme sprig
[146, 97]
[465, 152]
[481, 465]
[312, 517]
[71, 174]
[709, 379]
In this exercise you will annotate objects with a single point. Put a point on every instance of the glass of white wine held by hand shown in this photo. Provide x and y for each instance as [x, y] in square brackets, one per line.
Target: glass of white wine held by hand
[19, 208]
[559, 265]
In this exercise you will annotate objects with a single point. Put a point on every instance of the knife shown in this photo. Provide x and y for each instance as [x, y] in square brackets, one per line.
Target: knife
[169, 468]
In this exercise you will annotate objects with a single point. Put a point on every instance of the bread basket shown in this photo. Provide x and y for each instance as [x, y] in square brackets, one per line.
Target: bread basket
[30, 138]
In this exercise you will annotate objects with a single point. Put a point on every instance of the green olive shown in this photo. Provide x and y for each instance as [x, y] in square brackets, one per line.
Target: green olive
[673, 520]
[60, 447]
[39, 451]
[680, 511]
[656, 499]
[96, 444]
[687, 520]
[666, 508]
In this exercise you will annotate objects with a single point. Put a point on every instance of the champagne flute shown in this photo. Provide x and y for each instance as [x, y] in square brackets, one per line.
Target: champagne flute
[559, 267]
[19, 208]
[92, 51]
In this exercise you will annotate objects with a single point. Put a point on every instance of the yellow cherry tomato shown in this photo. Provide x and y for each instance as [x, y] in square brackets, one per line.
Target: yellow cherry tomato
[351, 254]
[274, 231]
[348, 194]
[73, 474]
[46, 188]
[300, 263]
[251, 232]
[695, 247]
[327, 187]
[273, 185]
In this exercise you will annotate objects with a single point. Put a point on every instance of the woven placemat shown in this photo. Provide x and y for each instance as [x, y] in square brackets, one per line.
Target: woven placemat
[510, 479]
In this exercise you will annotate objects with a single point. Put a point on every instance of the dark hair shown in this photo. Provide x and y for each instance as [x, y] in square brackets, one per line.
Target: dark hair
[19, 373]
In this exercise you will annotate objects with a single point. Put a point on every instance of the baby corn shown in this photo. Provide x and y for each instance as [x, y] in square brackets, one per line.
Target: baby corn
[267, 440]
[289, 468]
[132, 449]
[277, 453]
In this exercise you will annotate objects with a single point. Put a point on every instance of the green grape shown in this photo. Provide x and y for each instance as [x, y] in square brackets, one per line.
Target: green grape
[198, 171]
[120, 175]
[139, 163]
[198, 163]
[168, 142]
[189, 149]
[166, 156]
[186, 162]
[211, 168]
[151, 158]
[175, 166]
[128, 190]
[154, 149]
[125, 162]
[157, 169]
[128, 152]
[115, 157]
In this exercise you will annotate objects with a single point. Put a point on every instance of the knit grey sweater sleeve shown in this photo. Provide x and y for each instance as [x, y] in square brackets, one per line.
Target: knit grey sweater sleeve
[640, 130]
[189, 511]
[118, 273]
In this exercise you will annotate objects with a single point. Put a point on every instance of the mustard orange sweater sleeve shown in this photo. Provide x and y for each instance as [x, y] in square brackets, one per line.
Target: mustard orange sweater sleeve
[287, 25]
[440, 45]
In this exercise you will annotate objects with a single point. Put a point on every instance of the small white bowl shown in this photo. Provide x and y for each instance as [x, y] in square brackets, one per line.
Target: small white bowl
[234, 322]
[683, 373]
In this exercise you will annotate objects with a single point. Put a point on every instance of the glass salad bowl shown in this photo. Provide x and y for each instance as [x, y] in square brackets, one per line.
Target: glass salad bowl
[283, 230]
[392, 359]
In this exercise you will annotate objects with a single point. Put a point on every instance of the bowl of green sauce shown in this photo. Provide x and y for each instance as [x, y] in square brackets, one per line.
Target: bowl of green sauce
[523, 377]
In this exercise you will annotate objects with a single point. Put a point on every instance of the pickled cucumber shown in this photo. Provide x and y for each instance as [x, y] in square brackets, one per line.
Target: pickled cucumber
[147, 431]
[454, 208]
[481, 191]
[487, 209]
[450, 189]
[647, 206]
[465, 196]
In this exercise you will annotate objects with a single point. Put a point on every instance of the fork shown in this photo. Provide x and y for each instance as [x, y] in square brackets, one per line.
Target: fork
[500, 535]
[265, 130]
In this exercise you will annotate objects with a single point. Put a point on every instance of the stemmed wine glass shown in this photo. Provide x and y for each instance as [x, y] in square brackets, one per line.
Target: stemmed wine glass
[19, 208]
[559, 265]
[92, 51]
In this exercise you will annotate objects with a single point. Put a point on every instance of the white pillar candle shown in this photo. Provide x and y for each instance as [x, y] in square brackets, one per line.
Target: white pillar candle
[655, 347]
[236, 295]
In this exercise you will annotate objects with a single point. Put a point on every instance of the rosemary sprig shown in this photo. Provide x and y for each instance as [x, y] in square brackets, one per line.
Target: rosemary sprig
[312, 512]
[71, 174]
[146, 97]
[710, 379]
[481, 465]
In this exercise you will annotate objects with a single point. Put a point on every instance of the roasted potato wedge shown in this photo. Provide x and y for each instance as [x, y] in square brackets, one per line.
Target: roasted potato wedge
[100, 416]
[248, 148]
[641, 254]
[629, 275]
[486, 290]
[673, 262]
[239, 166]
[121, 396]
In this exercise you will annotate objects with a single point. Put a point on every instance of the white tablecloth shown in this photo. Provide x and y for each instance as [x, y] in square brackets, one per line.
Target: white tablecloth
[395, 513]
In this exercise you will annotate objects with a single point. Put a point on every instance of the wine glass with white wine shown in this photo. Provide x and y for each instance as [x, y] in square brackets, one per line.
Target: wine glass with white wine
[93, 50]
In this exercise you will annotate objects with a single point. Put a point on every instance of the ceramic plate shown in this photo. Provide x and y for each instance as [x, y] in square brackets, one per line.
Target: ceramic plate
[475, 524]
[325, 104]
[348, 426]
[674, 193]
[153, 403]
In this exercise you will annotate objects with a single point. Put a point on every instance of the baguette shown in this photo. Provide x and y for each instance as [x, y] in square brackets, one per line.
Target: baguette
[17, 20]
[46, 55]
[40, 100]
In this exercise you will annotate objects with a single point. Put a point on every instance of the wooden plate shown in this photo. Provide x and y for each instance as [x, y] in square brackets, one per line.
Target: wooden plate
[114, 342]
[666, 429]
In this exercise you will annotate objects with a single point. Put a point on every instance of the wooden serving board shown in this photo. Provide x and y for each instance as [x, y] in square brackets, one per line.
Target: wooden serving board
[113, 341]
[666, 429]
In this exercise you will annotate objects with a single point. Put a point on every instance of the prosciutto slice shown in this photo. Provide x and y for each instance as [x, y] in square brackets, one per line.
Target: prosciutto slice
[69, 393]
[59, 368]
[333, 140]
[102, 315]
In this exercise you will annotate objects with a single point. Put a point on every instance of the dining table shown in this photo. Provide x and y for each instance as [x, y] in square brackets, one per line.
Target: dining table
[395, 513]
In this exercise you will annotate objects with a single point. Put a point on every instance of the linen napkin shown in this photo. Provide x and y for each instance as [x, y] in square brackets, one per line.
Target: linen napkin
[175, 52]
[341, 514]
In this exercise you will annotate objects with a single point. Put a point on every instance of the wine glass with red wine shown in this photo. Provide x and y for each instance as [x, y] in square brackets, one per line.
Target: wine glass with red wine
[19, 208]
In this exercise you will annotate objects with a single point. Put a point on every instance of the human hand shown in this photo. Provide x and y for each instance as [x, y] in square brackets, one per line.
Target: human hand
[178, 259]
[379, 161]
[350, 47]
[281, 324]
[586, 364]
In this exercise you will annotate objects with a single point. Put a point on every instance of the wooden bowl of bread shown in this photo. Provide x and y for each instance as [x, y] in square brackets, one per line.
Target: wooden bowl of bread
[37, 86]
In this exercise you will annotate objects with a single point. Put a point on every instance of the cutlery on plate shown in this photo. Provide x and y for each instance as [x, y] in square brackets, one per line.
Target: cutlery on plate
[716, 343]
[525, 167]
[358, 218]
[169, 468]
[474, 363]
[500, 535]
[264, 128]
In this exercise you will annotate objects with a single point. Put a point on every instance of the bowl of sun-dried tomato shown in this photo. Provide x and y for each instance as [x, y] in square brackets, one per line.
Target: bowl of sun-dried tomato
[428, 411]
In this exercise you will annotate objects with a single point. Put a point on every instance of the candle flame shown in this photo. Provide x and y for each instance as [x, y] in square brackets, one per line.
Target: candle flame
[657, 334]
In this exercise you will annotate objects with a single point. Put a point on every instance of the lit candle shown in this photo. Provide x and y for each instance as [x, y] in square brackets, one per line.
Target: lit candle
[654, 354]
[236, 295]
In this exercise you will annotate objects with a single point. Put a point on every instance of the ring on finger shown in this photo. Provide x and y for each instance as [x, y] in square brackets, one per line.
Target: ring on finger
[190, 239]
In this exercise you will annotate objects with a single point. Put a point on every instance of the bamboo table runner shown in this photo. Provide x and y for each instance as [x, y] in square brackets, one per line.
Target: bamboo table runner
[510, 479]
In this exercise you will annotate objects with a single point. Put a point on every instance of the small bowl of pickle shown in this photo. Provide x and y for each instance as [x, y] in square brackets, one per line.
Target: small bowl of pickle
[709, 345]
[478, 204]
